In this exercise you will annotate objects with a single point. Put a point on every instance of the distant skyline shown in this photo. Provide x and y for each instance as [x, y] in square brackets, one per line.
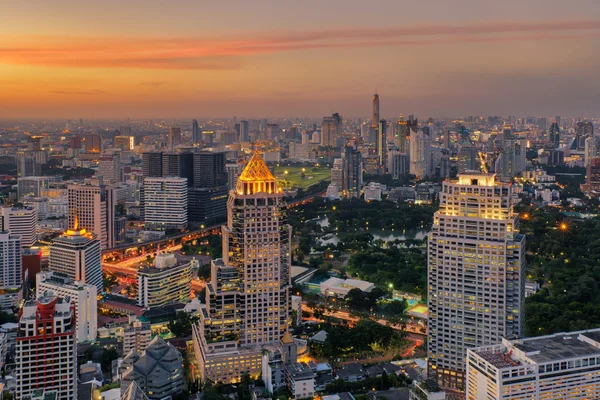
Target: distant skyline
[150, 59]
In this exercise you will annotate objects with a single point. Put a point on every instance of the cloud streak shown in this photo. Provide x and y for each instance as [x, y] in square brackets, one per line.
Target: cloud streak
[229, 53]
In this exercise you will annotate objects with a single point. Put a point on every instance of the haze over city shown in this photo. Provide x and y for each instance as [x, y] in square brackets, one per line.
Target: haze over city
[263, 58]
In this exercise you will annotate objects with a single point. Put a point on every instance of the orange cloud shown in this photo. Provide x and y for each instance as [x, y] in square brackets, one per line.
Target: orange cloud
[228, 53]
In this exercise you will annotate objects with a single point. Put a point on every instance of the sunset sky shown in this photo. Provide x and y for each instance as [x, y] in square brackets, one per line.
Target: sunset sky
[298, 58]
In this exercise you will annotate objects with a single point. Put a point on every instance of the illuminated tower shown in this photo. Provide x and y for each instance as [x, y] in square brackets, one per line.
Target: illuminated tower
[248, 297]
[476, 273]
[375, 119]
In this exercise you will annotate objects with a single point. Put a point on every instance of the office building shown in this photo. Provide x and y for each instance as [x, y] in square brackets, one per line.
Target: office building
[209, 169]
[233, 171]
[76, 254]
[244, 132]
[124, 142]
[420, 143]
[381, 147]
[93, 208]
[583, 130]
[27, 164]
[397, 164]
[373, 191]
[207, 205]
[592, 149]
[152, 164]
[300, 380]
[46, 348]
[174, 138]
[10, 261]
[196, 132]
[109, 167]
[375, 117]
[82, 295]
[426, 390]
[331, 130]
[560, 366]
[136, 336]
[134, 392]
[158, 370]
[273, 131]
[337, 173]
[166, 282]
[32, 185]
[179, 164]
[21, 222]
[467, 156]
[248, 296]
[591, 187]
[165, 203]
[554, 135]
[352, 172]
[476, 273]
[92, 143]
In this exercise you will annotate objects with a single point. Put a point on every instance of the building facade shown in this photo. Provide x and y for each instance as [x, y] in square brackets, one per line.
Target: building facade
[164, 283]
[248, 297]
[166, 203]
[476, 273]
[10, 261]
[46, 348]
[20, 221]
[82, 295]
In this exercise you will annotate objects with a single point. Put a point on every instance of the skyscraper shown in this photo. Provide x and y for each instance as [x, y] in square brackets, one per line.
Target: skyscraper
[402, 133]
[46, 348]
[152, 164]
[109, 167]
[331, 130]
[209, 169]
[207, 199]
[92, 143]
[174, 137]
[27, 164]
[89, 206]
[20, 221]
[10, 261]
[196, 132]
[352, 172]
[476, 273]
[166, 203]
[381, 146]
[419, 153]
[554, 135]
[179, 164]
[248, 297]
[76, 253]
[244, 131]
[375, 117]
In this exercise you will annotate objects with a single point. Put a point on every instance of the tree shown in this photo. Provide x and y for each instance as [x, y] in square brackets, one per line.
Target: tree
[107, 358]
[181, 326]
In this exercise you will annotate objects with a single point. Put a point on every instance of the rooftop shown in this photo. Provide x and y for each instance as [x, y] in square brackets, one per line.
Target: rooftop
[299, 371]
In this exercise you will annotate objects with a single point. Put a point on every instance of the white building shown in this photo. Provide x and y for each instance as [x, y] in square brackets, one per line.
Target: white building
[476, 265]
[46, 348]
[109, 167]
[165, 203]
[560, 366]
[136, 336]
[337, 173]
[300, 380]
[39, 204]
[76, 253]
[88, 203]
[373, 191]
[82, 295]
[166, 282]
[426, 390]
[333, 192]
[10, 261]
[419, 153]
[337, 287]
[20, 221]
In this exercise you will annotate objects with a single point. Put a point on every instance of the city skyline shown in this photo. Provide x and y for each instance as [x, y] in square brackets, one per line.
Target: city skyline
[268, 59]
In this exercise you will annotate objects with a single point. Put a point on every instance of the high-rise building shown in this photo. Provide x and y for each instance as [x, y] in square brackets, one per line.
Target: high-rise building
[46, 348]
[591, 187]
[166, 282]
[76, 254]
[467, 156]
[331, 130]
[209, 169]
[10, 261]
[381, 146]
[196, 132]
[136, 336]
[174, 137]
[207, 199]
[179, 164]
[375, 117]
[90, 205]
[32, 185]
[109, 167]
[244, 131]
[233, 171]
[166, 203]
[420, 143]
[92, 143]
[337, 173]
[583, 130]
[476, 273]
[208, 137]
[397, 164]
[125, 143]
[402, 134]
[152, 164]
[273, 131]
[27, 164]
[592, 149]
[554, 135]
[352, 172]
[20, 221]
[82, 295]
[248, 297]
[560, 366]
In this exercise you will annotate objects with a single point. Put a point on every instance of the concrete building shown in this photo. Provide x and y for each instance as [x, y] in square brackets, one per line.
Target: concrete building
[124, 142]
[166, 282]
[420, 143]
[32, 185]
[337, 287]
[21, 222]
[10, 261]
[331, 130]
[426, 390]
[300, 381]
[82, 295]
[373, 191]
[397, 164]
[248, 297]
[46, 348]
[109, 167]
[476, 273]
[233, 171]
[90, 206]
[560, 366]
[152, 164]
[76, 253]
[158, 370]
[136, 336]
[166, 203]
[174, 137]
[352, 172]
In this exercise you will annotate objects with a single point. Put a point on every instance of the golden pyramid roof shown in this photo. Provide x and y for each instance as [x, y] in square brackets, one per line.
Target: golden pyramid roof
[287, 338]
[256, 170]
